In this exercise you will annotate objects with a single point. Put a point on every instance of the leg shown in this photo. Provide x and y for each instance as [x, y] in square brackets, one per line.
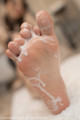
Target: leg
[38, 59]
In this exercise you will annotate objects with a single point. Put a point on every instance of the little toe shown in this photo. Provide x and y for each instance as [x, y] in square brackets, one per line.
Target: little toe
[25, 33]
[10, 55]
[37, 30]
[14, 48]
[45, 23]
[26, 25]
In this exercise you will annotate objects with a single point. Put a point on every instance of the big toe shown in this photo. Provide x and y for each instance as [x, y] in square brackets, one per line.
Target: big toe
[45, 23]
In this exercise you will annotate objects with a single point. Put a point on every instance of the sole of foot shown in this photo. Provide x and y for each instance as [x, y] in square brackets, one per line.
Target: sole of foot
[37, 55]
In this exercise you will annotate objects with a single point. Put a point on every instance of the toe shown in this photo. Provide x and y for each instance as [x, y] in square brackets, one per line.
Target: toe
[19, 41]
[45, 23]
[27, 26]
[25, 33]
[10, 55]
[14, 48]
[37, 30]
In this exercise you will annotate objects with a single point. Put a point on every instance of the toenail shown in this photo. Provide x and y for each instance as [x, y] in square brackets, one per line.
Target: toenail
[26, 30]
[39, 13]
[25, 33]
[25, 25]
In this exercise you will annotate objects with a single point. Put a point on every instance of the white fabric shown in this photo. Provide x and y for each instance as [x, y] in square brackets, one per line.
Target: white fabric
[24, 107]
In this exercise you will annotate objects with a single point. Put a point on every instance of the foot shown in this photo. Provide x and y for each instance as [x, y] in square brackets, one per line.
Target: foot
[36, 53]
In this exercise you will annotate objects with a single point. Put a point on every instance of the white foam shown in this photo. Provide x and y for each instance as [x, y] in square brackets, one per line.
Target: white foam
[26, 30]
[40, 84]
[25, 26]
[24, 48]
[39, 14]
[33, 34]
[43, 40]
[46, 40]
[53, 101]
[24, 51]
[19, 59]
[37, 78]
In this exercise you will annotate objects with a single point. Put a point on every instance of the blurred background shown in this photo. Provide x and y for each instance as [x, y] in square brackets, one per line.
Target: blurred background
[13, 13]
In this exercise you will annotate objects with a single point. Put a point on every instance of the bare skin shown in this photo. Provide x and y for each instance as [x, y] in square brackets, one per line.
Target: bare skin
[39, 59]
